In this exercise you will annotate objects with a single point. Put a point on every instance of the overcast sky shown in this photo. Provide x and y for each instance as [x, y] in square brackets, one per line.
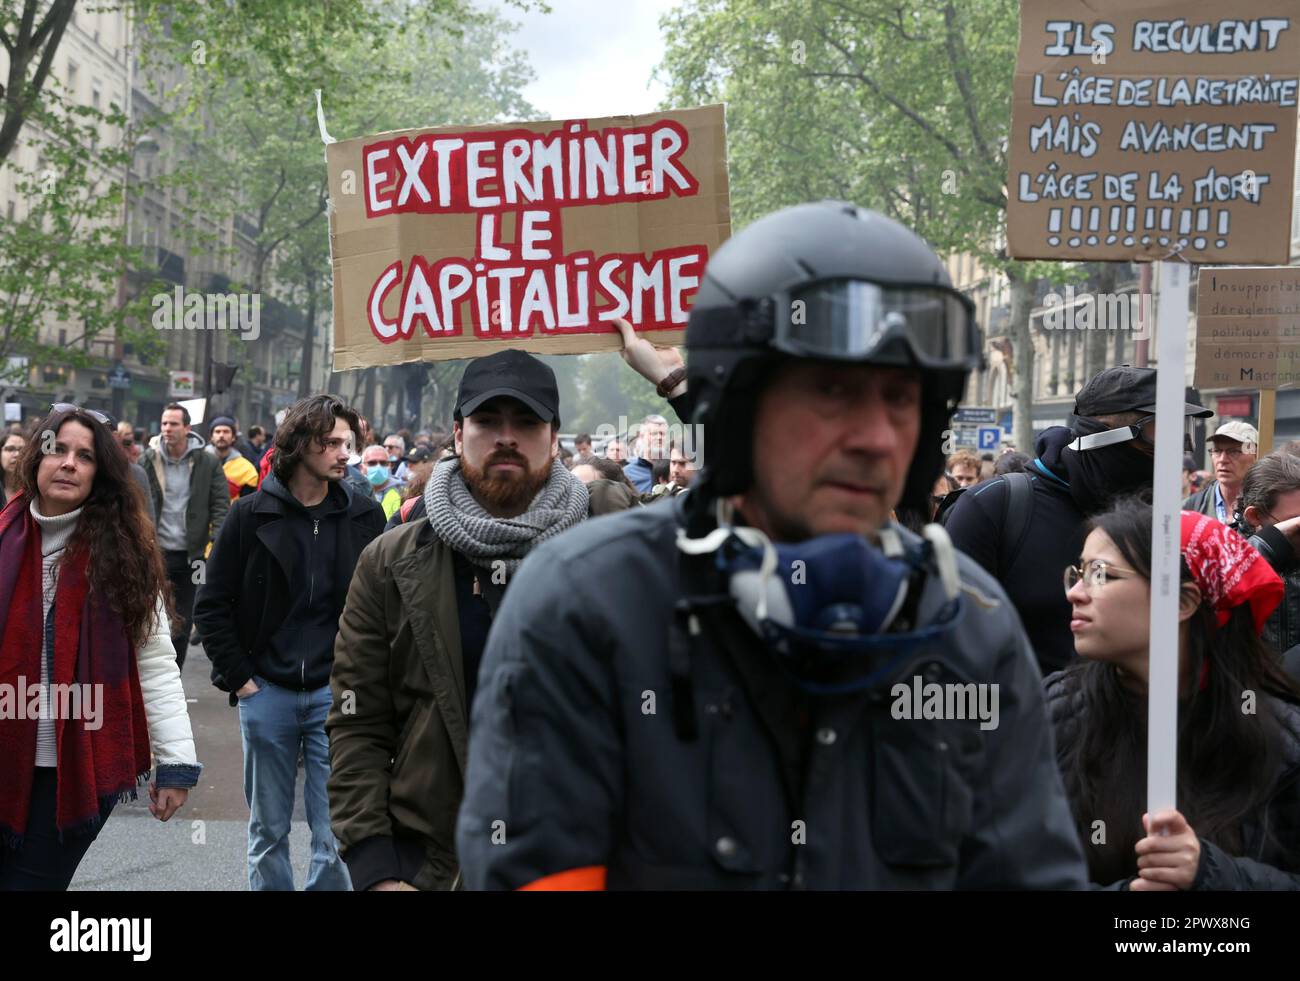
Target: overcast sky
[592, 57]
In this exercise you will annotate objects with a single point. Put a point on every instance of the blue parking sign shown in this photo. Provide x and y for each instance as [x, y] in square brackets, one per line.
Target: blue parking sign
[990, 437]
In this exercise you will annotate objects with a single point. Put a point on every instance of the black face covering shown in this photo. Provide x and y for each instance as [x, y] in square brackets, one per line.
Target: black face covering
[1099, 476]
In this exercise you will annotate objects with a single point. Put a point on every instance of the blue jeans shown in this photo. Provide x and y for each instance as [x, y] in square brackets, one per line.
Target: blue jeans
[274, 723]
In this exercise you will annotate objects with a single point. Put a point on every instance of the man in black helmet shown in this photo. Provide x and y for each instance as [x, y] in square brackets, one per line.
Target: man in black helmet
[1025, 529]
[730, 694]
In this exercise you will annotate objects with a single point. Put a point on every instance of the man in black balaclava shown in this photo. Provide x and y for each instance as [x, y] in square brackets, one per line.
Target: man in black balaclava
[1108, 450]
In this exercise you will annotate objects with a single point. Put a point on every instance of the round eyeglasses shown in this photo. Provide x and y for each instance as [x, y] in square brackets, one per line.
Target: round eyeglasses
[1094, 575]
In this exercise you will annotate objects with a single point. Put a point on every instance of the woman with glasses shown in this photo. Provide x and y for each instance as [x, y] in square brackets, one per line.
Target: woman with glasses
[85, 650]
[10, 450]
[1269, 512]
[1237, 824]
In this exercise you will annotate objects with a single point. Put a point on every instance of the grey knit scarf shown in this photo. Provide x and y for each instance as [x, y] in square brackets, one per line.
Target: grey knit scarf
[463, 524]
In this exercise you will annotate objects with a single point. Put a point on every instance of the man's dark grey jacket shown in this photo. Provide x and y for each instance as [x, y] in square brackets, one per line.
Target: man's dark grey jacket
[569, 771]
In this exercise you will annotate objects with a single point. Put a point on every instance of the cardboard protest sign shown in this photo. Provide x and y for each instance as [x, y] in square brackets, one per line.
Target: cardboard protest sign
[1248, 327]
[459, 241]
[1141, 128]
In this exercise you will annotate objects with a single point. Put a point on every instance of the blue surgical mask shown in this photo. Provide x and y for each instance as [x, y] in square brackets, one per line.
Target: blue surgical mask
[377, 474]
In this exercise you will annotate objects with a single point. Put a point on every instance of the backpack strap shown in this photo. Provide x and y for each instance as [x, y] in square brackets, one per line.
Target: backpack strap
[1017, 509]
[946, 506]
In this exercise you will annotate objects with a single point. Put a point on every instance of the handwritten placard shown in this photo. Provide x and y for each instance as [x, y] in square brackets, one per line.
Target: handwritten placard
[1143, 130]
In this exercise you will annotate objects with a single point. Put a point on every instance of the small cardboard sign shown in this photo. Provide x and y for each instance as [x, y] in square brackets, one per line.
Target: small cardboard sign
[181, 385]
[1248, 327]
[460, 241]
[1145, 128]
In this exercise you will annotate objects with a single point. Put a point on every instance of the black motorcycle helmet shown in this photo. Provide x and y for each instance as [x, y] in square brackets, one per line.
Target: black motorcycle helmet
[832, 281]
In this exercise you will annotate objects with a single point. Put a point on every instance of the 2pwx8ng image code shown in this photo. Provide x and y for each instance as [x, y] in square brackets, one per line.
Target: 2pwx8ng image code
[1171, 946]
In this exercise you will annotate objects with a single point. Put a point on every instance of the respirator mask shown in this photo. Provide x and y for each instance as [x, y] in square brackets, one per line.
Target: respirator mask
[835, 610]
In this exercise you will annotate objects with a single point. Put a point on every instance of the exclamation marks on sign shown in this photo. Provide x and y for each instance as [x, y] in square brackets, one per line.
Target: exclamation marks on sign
[1081, 219]
[1202, 226]
[1054, 226]
[1162, 220]
[1116, 218]
[1076, 225]
[1124, 218]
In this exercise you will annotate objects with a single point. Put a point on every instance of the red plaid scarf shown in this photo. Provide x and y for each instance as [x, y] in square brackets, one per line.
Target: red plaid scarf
[1228, 571]
[90, 647]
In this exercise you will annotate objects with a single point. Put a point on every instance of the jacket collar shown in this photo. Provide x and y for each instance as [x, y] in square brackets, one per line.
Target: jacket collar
[424, 577]
[270, 498]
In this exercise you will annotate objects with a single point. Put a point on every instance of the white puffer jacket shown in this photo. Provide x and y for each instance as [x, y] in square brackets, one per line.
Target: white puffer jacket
[165, 709]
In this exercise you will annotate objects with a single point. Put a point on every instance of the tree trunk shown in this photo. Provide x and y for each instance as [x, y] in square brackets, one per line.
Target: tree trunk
[1021, 306]
[20, 94]
[1095, 358]
[309, 337]
[419, 374]
[398, 376]
[368, 401]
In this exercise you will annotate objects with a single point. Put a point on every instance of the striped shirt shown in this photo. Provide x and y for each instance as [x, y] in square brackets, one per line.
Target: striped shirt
[55, 533]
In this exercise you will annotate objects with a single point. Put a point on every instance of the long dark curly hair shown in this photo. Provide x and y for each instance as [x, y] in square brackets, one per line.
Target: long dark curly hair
[125, 566]
[306, 425]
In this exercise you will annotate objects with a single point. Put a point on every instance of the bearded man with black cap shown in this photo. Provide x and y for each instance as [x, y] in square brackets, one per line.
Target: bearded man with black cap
[417, 616]
[724, 697]
[1026, 529]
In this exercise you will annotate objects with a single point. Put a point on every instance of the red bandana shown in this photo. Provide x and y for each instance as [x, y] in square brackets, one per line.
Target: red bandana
[1228, 570]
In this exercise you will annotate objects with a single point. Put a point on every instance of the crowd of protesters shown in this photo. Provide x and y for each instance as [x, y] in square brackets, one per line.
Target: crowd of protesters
[399, 616]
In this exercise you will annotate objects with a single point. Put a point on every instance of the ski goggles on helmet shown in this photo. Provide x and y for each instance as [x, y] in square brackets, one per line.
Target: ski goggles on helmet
[849, 319]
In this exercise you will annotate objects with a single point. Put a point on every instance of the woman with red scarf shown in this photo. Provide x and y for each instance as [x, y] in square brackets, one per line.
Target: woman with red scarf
[1237, 822]
[90, 694]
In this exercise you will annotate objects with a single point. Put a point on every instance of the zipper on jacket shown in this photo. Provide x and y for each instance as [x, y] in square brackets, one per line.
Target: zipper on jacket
[311, 593]
[315, 533]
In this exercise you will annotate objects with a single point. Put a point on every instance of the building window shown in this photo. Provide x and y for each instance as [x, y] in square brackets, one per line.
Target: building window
[72, 77]
[9, 210]
[94, 94]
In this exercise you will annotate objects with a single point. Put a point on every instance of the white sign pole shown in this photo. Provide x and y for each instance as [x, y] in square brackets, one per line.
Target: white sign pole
[1166, 531]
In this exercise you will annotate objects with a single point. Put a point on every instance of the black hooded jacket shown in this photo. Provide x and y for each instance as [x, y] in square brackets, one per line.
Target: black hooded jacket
[1269, 858]
[276, 583]
[1067, 487]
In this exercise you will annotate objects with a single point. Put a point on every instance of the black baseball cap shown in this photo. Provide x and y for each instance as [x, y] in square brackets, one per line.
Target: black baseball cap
[512, 373]
[1125, 389]
[418, 454]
